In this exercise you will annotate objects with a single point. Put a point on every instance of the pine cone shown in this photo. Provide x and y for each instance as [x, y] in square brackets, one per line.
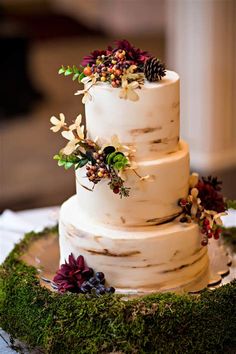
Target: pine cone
[154, 70]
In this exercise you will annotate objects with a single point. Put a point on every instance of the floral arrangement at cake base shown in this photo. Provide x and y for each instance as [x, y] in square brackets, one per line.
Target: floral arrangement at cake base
[55, 322]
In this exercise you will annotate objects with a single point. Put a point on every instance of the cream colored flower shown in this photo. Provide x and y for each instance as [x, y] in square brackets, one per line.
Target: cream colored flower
[70, 147]
[72, 144]
[68, 135]
[90, 79]
[87, 96]
[58, 123]
[76, 126]
[194, 200]
[193, 180]
[127, 91]
[217, 218]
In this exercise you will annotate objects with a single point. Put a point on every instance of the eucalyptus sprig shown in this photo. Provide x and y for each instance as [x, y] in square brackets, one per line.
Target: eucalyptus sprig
[72, 70]
[67, 161]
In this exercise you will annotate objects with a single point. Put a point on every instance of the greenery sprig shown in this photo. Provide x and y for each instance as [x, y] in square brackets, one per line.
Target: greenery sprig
[69, 161]
[72, 70]
[101, 162]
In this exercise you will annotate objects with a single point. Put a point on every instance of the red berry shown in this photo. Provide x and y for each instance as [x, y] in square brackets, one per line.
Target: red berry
[183, 202]
[216, 235]
[206, 222]
[116, 190]
[204, 242]
[210, 234]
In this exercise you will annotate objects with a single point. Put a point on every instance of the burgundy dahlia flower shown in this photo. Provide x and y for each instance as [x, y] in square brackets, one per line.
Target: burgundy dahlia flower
[208, 192]
[136, 55]
[71, 275]
[91, 59]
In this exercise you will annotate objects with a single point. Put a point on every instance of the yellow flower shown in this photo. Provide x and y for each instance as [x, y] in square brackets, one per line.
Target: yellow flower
[76, 126]
[58, 123]
[127, 91]
[72, 144]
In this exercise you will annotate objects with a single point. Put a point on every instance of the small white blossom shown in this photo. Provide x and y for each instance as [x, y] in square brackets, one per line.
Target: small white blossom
[127, 91]
[58, 123]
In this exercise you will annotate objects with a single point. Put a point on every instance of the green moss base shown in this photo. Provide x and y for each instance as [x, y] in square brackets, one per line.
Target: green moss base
[70, 323]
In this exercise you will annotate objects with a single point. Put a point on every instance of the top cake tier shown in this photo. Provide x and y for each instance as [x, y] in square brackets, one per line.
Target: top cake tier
[150, 124]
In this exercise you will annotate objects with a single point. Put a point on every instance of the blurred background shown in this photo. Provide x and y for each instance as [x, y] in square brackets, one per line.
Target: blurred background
[194, 37]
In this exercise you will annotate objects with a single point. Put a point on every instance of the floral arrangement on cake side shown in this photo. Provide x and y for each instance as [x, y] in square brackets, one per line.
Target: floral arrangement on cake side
[107, 162]
[205, 205]
[123, 66]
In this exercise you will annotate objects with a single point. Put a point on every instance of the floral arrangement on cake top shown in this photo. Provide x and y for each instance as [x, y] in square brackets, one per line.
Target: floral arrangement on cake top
[122, 66]
[107, 162]
[205, 205]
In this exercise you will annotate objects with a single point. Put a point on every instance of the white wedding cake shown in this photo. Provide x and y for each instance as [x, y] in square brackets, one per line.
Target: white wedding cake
[136, 241]
[137, 215]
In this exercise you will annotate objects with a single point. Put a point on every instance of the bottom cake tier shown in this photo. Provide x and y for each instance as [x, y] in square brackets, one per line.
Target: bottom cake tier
[151, 258]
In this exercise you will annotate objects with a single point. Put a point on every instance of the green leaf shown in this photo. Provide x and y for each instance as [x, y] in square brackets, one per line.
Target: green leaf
[68, 71]
[68, 165]
[75, 69]
[61, 162]
[81, 76]
[75, 77]
[118, 157]
[61, 70]
[56, 157]
[81, 163]
[110, 158]
[118, 165]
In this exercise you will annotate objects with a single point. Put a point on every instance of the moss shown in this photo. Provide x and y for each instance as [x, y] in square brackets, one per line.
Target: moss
[70, 323]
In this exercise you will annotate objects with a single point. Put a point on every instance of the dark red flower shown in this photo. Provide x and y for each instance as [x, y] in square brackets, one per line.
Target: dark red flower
[209, 194]
[91, 59]
[136, 55]
[71, 275]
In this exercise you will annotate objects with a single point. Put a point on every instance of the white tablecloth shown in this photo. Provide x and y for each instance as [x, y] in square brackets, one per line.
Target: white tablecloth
[13, 225]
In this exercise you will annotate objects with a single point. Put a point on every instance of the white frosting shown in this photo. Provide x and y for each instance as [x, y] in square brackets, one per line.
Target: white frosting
[145, 258]
[151, 201]
[151, 124]
[121, 237]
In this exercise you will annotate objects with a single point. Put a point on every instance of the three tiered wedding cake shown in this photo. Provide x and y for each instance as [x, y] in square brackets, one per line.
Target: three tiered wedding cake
[133, 235]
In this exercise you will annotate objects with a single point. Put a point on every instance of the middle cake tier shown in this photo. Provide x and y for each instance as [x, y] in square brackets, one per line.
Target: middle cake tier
[153, 199]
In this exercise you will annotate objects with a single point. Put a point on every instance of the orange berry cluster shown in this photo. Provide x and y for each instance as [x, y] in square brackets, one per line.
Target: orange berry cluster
[110, 68]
